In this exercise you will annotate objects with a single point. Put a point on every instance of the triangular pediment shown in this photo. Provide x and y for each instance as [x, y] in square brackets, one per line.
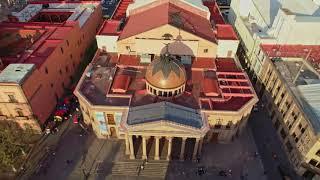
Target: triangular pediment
[164, 126]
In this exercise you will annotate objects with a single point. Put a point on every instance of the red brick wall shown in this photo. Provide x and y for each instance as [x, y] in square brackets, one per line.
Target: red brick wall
[38, 89]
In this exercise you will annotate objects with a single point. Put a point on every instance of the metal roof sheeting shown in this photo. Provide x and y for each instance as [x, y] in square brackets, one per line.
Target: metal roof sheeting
[311, 102]
[165, 111]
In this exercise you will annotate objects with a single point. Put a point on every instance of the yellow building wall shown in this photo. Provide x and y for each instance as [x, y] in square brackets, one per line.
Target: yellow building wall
[9, 110]
[156, 35]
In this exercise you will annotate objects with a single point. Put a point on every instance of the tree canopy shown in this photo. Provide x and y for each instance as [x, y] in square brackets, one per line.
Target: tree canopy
[14, 144]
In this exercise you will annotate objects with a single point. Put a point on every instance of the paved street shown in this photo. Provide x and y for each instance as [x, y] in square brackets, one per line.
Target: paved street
[85, 157]
[268, 142]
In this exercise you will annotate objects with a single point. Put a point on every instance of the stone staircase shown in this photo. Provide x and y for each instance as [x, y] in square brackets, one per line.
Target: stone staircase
[152, 169]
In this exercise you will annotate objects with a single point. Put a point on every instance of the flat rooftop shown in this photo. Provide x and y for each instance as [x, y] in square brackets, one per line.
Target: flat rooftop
[16, 73]
[41, 27]
[304, 83]
[228, 86]
[310, 52]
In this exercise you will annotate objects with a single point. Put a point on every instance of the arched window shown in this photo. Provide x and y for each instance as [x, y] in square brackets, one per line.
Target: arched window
[167, 36]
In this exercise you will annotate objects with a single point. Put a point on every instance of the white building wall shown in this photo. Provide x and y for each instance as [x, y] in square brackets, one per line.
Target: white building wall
[300, 33]
[109, 43]
[225, 46]
[159, 46]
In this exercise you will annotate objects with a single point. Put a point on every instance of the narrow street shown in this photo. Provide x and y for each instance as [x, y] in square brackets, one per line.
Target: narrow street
[268, 143]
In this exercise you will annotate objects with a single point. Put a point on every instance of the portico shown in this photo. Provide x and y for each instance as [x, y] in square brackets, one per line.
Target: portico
[130, 147]
[175, 128]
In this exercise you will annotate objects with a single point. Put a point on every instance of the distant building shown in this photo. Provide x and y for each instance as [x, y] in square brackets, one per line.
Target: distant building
[166, 74]
[289, 22]
[40, 50]
[281, 48]
[290, 86]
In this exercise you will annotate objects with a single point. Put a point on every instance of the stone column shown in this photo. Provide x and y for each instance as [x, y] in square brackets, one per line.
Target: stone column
[195, 150]
[127, 145]
[131, 147]
[169, 148]
[144, 148]
[156, 154]
[200, 146]
[182, 148]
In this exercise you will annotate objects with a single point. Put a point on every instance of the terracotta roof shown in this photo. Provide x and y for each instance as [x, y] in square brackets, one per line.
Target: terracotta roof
[227, 65]
[210, 87]
[110, 27]
[121, 83]
[225, 32]
[168, 14]
[201, 63]
[312, 51]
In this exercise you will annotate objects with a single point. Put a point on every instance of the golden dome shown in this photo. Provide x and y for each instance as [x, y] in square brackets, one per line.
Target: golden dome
[166, 73]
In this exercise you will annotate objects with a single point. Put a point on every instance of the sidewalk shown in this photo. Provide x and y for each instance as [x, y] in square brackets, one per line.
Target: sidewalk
[237, 156]
[268, 142]
[39, 152]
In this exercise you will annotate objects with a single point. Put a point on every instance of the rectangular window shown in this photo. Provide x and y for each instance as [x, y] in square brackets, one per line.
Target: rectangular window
[218, 125]
[12, 98]
[19, 112]
[229, 54]
[289, 146]
[110, 118]
[205, 50]
[228, 126]
[313, 162]
[283, 133]
[61, 50]
[277, 124]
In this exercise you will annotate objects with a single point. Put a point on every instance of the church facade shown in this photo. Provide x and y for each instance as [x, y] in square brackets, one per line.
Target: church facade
[165, 80]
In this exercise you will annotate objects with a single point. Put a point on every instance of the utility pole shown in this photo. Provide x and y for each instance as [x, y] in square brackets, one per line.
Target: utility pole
[302, 66]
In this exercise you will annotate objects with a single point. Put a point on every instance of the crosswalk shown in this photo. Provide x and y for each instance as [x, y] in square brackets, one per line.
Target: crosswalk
[152, 169]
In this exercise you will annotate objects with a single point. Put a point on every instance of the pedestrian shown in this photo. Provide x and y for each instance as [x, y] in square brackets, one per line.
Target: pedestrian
[230, 172]
[68, 162]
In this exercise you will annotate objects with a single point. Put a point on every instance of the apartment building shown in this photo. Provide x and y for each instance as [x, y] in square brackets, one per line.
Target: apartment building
[40, 50]
[284, 22]
[289, 85]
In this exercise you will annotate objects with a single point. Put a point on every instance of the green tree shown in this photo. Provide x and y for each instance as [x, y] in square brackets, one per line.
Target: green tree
[13, 146]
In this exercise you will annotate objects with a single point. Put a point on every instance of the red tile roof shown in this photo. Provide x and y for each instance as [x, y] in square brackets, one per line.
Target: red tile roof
[109, 27]
[303, 51]
[128, 60]
[204, 63]
[225, 32]
[210, 87]
[121, 83]
[215, 14]
[226, 65]
[168, 14]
